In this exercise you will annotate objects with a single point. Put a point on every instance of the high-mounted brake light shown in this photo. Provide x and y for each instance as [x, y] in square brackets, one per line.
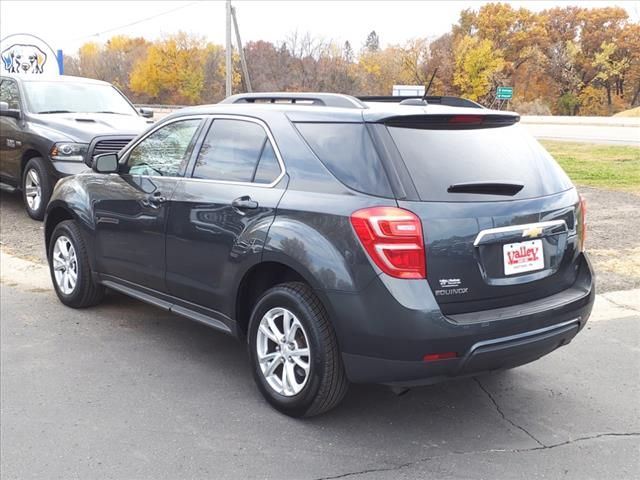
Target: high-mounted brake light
[393, 239]
[583, 222]
[466, 119]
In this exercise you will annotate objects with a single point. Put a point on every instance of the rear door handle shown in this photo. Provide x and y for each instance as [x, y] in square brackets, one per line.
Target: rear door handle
[244, 203]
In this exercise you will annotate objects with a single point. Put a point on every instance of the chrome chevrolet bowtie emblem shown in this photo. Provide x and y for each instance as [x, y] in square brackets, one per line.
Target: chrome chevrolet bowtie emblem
[532, 232]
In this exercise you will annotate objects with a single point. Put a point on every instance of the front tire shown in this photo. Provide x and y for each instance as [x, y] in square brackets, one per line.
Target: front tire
[294, 352]
[70, 268]
[36, 188]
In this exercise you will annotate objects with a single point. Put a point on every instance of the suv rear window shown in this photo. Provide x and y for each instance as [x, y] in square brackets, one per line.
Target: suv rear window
[347, 151]
[437, 159]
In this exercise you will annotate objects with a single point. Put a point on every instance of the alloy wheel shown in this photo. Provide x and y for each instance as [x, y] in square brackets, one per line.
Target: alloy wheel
[33, 189]
[65, 265]
[283, 352]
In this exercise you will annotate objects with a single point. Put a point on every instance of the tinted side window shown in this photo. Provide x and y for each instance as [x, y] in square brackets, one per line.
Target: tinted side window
[231, 151]
[347, 151]
[9, 93]
[166, 151]
[268, 167]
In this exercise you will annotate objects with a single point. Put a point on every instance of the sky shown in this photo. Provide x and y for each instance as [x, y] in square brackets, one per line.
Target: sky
[67, 25]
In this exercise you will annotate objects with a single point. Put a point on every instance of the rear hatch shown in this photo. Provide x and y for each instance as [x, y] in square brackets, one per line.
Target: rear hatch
[501, 220]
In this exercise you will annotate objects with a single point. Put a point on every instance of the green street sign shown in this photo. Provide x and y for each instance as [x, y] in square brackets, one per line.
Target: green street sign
[504, 93]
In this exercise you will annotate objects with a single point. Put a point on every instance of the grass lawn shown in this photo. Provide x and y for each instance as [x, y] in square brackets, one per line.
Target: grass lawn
[606, 166]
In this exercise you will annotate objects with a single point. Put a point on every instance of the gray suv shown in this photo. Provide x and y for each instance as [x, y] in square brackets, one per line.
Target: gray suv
[343, 241]
[50, 126]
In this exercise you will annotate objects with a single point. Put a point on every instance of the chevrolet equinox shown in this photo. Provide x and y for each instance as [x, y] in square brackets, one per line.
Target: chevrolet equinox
[342, 240]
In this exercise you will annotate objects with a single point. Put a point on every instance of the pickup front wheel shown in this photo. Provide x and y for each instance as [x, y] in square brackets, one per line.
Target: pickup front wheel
[294, 352]
[36, 188]
[70, 268]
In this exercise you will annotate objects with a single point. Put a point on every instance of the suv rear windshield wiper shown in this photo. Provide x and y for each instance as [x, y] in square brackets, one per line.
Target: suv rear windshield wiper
[56, 111]
[487, 188]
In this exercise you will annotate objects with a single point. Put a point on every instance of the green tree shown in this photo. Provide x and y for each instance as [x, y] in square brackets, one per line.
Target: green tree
[372, 44]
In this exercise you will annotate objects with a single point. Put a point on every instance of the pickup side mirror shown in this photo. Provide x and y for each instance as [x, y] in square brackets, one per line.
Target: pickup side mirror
[146, 112]
[106, 163]
[5, 111]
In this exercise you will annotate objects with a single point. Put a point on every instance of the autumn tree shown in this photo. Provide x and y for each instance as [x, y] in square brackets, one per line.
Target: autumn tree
[477, 63]
[268, 66]
[213, 88]
[569, 59]
[629, 46]
[172, 70]
[442, 58]
[414, 58]
[122, 53]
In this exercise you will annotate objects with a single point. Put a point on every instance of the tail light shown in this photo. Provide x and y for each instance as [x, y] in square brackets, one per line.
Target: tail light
[583, 222]
[393, 239]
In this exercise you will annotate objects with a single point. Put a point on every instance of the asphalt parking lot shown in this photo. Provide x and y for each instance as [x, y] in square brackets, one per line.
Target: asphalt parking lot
[127, 391]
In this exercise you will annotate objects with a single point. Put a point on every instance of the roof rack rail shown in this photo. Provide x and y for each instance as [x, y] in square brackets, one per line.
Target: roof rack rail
[303, 98]
[431, 99]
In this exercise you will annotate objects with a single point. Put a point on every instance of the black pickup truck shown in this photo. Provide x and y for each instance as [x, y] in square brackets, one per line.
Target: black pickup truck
[52, 126]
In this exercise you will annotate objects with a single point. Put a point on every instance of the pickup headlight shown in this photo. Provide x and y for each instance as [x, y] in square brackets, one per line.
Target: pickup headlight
[70, 152]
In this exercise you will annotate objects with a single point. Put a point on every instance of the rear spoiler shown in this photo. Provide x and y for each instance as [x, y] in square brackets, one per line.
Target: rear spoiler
[452, 122]
[431, 99]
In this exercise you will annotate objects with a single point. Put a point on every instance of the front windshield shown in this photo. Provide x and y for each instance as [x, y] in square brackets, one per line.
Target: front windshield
[58, 97]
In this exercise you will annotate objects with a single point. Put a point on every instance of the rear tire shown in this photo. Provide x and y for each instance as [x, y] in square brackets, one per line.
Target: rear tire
[70, 268]
[302, 392]
[36, 188]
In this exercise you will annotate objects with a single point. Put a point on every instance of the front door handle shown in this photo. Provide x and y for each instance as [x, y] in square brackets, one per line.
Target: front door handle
[244, 203]
[154, 200]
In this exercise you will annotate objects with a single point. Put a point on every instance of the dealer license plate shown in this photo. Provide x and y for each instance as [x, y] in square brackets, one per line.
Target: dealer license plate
[523, 257]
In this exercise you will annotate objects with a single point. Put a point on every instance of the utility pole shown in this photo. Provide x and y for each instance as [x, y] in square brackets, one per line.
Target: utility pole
[243, 60]
[229, 72]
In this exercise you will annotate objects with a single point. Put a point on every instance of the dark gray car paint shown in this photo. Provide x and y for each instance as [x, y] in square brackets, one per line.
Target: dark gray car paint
[384, 325]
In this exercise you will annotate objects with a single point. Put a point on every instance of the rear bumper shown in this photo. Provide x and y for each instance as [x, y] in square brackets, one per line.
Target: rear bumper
[496, 354]
[384, 336]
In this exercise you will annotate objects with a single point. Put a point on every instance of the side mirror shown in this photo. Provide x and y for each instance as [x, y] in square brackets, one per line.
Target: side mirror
[106, 163]
[146, 112]
[5, 111]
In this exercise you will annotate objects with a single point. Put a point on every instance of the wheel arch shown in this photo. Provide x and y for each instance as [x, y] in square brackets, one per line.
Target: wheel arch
[56, 213]
[263, 276]
[26, 156]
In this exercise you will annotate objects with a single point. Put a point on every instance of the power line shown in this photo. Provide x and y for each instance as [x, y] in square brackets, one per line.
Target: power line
[97, 34]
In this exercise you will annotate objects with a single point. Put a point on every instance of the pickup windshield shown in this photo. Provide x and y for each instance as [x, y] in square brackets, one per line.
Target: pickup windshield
[67, 97]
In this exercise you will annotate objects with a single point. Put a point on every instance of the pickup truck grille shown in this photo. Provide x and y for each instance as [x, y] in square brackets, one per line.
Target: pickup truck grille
[110, 145]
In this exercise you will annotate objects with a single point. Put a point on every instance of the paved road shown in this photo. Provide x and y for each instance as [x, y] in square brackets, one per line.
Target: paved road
[586, 133]
[127, 391]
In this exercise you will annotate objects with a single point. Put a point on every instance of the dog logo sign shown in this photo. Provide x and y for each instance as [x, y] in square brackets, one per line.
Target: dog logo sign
[23, 54]
[22, 58]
